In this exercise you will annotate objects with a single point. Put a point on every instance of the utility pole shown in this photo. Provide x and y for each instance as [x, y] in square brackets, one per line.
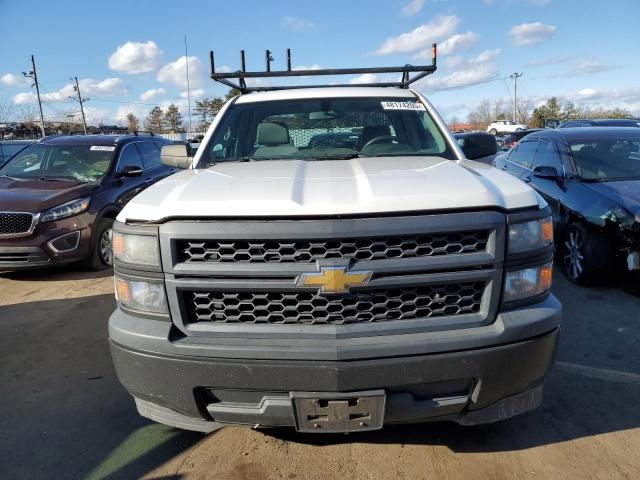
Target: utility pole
[186, 61]
[34, 74]
[515, 77]
[77, 89]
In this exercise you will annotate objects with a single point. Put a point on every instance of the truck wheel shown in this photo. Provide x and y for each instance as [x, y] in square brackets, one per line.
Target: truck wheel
[585, 255]
[102, 251]
[493, 131]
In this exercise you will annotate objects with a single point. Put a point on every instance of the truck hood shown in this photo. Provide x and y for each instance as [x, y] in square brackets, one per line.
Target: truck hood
[283, 188]
[35, 195]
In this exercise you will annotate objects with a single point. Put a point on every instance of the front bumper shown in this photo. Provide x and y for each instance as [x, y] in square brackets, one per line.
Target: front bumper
[35, 250]
[469, 385]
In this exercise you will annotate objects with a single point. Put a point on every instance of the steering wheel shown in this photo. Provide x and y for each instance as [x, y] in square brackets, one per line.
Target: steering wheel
[379, 139]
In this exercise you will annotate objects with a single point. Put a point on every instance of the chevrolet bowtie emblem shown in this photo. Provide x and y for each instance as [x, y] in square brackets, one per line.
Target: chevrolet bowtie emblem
[334, 279]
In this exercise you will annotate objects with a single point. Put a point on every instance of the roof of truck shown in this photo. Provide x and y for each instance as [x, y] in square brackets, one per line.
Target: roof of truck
[328, 92]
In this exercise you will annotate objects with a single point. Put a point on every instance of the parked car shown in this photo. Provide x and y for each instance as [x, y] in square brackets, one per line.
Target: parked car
[9, 148]
[327, 288]
[479, 146]
[512, 139]
[59, 197]
[606, 122]
[504, 126]
[591, 179]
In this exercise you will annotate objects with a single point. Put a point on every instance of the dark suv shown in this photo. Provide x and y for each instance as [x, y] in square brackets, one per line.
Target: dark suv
[59, 197]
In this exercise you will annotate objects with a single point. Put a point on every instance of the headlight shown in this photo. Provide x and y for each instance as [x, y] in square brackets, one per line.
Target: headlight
[65, 210]
[530, 235]
[136, 249]
[528, 282]
[141, 296]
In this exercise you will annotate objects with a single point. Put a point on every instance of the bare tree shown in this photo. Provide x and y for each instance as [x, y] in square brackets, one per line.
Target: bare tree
[133, 125]
[6, 109]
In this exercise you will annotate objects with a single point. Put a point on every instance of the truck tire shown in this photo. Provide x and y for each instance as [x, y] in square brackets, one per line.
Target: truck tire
[493, 131]
[585, 255]
[101, 251]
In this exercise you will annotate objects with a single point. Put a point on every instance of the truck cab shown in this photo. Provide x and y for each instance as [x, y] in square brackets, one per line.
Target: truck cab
[329, 261]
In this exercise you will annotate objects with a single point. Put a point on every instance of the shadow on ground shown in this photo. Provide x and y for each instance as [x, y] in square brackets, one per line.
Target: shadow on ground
[64, 413]
[66, 272]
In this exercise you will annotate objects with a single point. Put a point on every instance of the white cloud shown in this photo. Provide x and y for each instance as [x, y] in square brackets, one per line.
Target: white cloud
[24, 98]
[477, 70]
[587, 92]
[365, 78]
[152, 93]
[413, 7]
[592, 66]
[139, 111]
[11, 80]
[135, 57]
[453, 44]
[176, 72]
[296, 24]
[315, 66]
[420, 37]
[527, 34]
[197, 93]
[88, 86]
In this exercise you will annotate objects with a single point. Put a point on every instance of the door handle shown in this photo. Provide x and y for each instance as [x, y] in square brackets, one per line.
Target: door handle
[505, 167]
[526, 179]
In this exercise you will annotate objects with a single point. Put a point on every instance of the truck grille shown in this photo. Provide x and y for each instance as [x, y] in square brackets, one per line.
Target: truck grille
[361, 306]
[15, 223]
[308, 251]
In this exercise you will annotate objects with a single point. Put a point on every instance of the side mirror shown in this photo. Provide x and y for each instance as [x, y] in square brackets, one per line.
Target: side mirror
[548, 172]
[479, 145]
[130, 171]
[177, 156]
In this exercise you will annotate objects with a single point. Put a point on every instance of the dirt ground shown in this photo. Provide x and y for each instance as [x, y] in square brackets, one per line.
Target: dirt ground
[64, 414]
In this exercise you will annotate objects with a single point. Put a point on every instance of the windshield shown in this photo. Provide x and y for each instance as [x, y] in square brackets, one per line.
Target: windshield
[84, 163]
[616, 158]
[323, 129]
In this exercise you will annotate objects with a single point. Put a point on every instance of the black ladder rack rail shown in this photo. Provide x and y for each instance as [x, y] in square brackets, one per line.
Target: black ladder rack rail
[240, 76]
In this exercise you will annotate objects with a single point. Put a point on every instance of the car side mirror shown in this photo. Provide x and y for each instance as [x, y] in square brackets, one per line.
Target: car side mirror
[548, 172]
[479, 145]
[177, 156]
[130, 171]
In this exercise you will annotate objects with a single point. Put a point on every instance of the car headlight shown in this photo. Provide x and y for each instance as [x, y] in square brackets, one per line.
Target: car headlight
[65, 210]
[136, 249]
[528, 282]
[531, 235]
[141, 296]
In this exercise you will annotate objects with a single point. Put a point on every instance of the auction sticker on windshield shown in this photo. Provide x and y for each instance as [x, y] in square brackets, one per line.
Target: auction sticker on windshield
[402, 106]
[102, 148]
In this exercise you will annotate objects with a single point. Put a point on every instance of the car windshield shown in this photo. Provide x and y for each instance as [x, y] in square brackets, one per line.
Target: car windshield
[325, 129]
[84, 163]
[612, 158]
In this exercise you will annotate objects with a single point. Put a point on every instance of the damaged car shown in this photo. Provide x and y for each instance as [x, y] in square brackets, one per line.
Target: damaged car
[591, 179]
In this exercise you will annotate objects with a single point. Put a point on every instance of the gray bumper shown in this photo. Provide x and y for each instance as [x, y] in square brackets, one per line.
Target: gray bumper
[470, 376]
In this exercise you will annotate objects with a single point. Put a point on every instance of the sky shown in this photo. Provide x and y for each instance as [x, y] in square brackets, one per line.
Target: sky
[130, 56]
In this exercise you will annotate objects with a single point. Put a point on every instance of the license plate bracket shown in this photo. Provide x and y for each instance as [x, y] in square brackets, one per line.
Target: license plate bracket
[329, 412]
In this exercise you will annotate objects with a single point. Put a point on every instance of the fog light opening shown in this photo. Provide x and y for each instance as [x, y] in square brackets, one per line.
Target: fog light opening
[65, 243]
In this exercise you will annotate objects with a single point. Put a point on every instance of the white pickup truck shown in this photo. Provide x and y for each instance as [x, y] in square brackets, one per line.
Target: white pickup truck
[500, 127]
[329, 261]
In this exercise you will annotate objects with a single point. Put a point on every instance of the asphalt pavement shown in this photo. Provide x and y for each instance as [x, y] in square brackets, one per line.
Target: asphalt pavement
[64, 414]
